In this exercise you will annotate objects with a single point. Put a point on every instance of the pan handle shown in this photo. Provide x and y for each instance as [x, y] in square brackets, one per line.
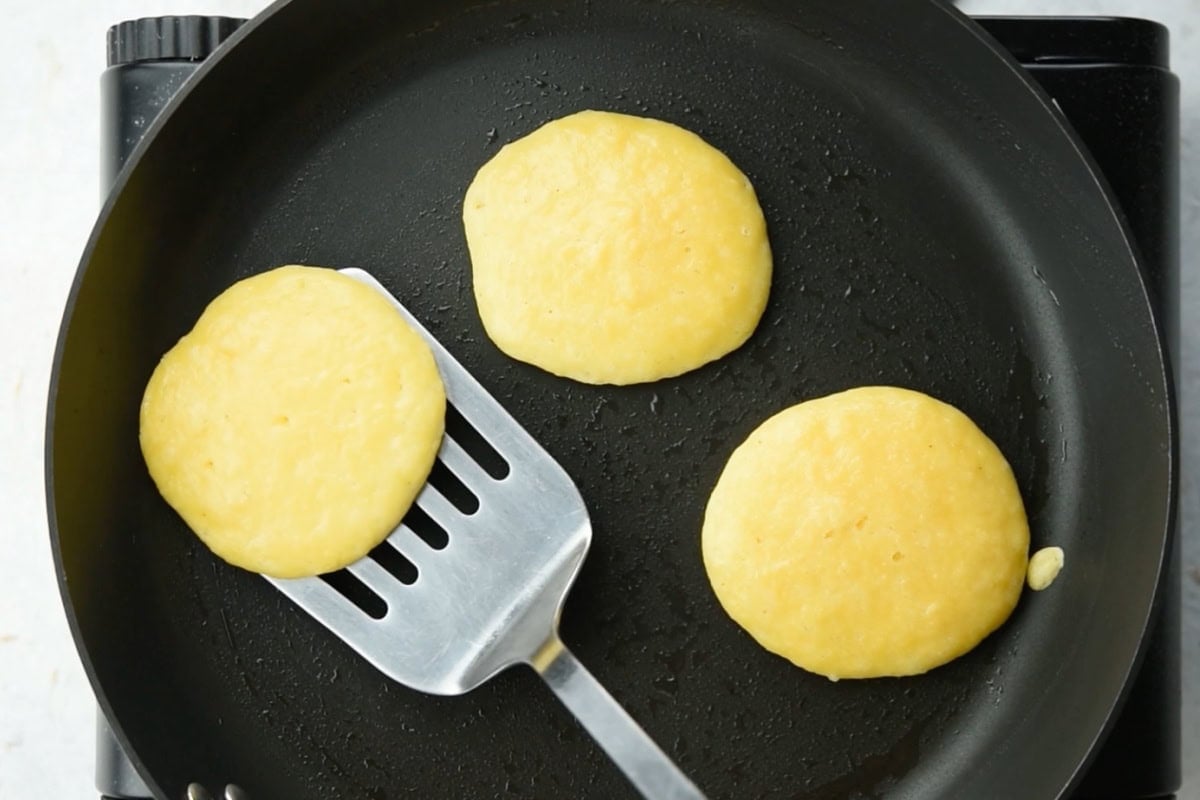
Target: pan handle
[645, 765]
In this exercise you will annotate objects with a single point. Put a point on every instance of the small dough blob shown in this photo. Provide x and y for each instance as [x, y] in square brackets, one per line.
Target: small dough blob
[872, 532]
[616, 249]
[1044, 567]
[292, 428]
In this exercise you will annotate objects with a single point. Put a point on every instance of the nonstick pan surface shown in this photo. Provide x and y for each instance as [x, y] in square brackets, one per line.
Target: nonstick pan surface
[934, 226]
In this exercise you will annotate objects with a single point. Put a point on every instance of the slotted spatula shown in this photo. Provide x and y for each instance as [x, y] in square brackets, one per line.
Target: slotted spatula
[492, 597]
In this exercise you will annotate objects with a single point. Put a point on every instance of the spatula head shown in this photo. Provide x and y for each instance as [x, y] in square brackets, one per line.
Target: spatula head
[512, 535]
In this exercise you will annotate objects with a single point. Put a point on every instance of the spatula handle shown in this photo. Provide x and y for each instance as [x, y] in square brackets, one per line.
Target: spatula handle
[642, 761]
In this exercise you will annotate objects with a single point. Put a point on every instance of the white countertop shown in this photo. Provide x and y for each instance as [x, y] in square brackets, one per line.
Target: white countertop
[49, 102]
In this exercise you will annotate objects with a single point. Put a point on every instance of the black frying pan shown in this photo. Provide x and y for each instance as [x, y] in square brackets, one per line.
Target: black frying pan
[934, 226]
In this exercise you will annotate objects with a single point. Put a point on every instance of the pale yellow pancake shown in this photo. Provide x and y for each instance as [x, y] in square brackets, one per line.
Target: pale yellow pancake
[616, 249]
[868, 533]
[295, 424]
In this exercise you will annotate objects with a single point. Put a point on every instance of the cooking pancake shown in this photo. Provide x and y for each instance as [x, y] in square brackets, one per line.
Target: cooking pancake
[294, 425]
[872, 532]
[611, 248]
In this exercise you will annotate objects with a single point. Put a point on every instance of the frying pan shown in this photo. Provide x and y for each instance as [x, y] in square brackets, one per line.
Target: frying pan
[934, 225]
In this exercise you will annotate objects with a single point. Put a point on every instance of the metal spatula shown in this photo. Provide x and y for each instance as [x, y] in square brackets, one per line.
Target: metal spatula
[491, 597]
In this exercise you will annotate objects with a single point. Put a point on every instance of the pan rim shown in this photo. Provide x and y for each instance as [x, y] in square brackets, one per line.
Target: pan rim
[1133, 257]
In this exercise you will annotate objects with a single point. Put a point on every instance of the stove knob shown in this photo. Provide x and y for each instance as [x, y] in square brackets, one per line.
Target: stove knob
[190, 38]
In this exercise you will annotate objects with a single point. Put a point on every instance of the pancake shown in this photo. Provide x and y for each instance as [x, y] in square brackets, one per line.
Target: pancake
[869, 533]
[615, 249]
[293, 427]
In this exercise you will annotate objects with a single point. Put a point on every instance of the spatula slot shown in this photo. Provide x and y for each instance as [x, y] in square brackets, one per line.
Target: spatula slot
[453, 489]
[356, 592]
[469, 439]
[423, 526]
[395, 563]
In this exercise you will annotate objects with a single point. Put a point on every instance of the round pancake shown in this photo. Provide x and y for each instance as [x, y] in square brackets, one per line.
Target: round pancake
[872, 532]
[292, 428]
[616, 249]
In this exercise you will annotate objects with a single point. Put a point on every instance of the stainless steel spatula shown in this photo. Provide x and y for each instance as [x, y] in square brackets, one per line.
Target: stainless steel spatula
[491, 597]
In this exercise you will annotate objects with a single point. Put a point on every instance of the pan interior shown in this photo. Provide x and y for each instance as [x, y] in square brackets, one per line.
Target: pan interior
[930, 231]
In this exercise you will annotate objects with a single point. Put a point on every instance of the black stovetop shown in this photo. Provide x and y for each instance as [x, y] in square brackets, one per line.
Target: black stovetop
[1111, 79]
